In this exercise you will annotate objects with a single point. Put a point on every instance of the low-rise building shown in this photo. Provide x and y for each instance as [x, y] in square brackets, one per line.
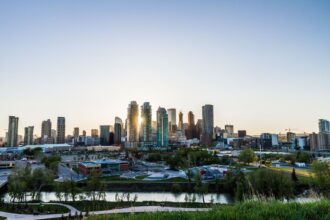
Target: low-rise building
[105, 167]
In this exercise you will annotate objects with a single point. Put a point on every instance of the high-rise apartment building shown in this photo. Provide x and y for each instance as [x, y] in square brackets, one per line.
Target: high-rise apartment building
[199, 128]
[94, 133]
[118, 129]
[28, 135]
[172, 119]
[324, 126]
[208, 124]
[46, 132]
[146, 123]
[12, 139]
[104, 135]
[229, 129]
[76, 132]
[162, 128]
[60, 139]
[190, 132]
[290, 137]
[180, 121]
[133, 123]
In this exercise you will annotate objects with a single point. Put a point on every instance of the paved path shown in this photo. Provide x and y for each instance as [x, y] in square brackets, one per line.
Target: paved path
[11, 216]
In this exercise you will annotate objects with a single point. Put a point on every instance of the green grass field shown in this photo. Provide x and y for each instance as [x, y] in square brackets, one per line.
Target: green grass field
[241, 211]
[304, 173]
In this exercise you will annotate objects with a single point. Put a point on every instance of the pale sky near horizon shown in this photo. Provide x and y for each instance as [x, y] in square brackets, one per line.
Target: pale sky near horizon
[264, 65]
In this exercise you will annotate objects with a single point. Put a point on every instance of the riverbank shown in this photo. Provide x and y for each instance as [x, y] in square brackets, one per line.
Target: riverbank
[105, 205]
[36, 208]
[242, 211]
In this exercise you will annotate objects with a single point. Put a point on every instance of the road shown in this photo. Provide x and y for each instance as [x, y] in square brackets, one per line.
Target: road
[140, 209]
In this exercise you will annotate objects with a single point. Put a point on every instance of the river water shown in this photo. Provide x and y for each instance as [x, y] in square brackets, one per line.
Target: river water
[144, 196]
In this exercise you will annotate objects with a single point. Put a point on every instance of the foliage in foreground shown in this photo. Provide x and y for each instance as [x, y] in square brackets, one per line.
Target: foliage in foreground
[23, 208]
[242, 211]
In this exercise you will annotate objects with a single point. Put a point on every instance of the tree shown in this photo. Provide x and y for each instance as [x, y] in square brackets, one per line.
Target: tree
[294, 176]
[52, 162]
[303, 157]
[321, 177]
[69, 188]
[16, 188]
[200, 187]
[270, 183]
[174, 162]
[94, 185]
[247, 156]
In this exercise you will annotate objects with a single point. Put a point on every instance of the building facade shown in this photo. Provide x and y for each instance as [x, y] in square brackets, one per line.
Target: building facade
[28, 135]
[60, 139]
[162, 128]
[12, 138]
[208, 124]
[132, 124]
[172, 119]
[146, 123]
[180, 125]
[46, 132]
[105, 135]
[118, 128]
[324, 126]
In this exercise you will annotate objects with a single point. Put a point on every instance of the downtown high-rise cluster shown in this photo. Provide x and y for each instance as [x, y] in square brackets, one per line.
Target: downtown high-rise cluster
[138, 130]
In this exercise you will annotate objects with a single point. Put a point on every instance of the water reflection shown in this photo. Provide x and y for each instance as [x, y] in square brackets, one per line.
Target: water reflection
[144, 196]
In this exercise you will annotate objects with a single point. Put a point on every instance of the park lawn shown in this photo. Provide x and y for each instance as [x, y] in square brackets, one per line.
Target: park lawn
[22, 208]
[244, 211]
[304, 173]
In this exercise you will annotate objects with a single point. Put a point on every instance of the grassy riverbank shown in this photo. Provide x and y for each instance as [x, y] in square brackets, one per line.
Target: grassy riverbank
[20, 208]
[104, 205]
[243, 211]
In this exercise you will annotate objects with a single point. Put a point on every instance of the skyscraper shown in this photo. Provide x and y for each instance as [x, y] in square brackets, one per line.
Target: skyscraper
[60, 130]
[171, 119]
[133, 122]
[162, 128]
[229, 129]
[118, 128]
[199, 128]
[208, 124]
[146, 122]
[190, 132]
[28, 135]
[104, 135]
[180, 121]
[46, 132]
[191, 119]
[76, 133]
[324, 126]
[12, 140]
[94, 133]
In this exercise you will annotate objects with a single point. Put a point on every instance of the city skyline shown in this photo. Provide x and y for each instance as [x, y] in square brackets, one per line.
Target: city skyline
[86, 61]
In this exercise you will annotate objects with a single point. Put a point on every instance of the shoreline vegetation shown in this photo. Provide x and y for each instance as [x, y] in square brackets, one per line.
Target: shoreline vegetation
[248, 210]
[36, 208]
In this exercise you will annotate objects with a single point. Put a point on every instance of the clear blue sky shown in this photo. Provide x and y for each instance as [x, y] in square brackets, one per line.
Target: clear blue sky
[264, 65]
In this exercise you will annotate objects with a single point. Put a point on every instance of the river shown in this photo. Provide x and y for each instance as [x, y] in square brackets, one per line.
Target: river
[144, 196]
